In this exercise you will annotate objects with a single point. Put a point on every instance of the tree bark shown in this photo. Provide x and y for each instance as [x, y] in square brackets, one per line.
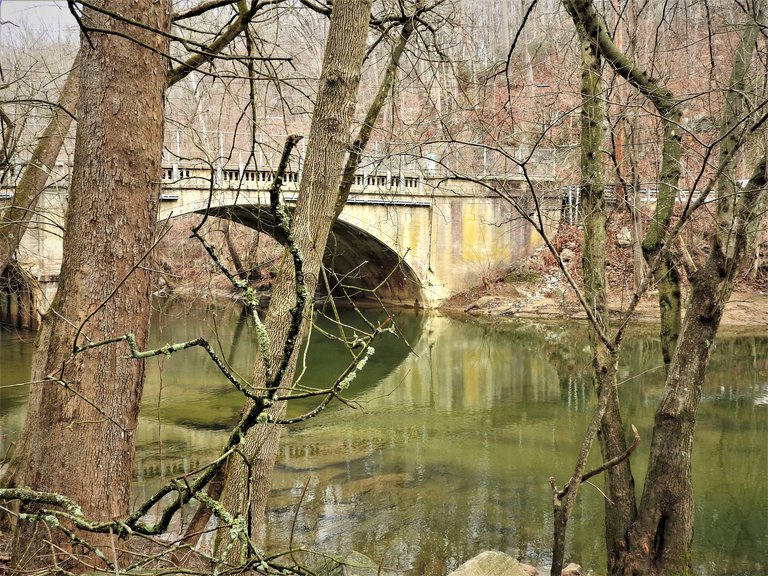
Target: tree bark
[247, 487]
[620, 506]
[659, 539]
[660, 542]
[78, 438]
[667, 277]
[78, 435]
[374, 110]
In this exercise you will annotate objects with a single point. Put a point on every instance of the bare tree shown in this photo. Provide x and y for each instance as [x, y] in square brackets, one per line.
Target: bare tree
[248, 482]
[656, 535]
[78, 437]
[15, 219]
[86, 409]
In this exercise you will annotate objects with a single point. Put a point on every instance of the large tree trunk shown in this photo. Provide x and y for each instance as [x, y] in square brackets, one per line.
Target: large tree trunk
[79, 434]
[666, 275]
[371, 117]
[312, 220]
[660, 540]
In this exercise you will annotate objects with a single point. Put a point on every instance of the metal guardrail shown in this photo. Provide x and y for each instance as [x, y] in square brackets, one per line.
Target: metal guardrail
[648, 195]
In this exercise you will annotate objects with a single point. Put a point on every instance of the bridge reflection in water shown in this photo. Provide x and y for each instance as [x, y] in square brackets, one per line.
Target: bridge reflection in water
[452, 445]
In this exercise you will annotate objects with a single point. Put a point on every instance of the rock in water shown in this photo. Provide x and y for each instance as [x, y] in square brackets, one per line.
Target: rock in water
[572, 570]
[490, 564]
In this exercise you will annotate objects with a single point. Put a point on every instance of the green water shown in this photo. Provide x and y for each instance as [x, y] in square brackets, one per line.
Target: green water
[455, 436]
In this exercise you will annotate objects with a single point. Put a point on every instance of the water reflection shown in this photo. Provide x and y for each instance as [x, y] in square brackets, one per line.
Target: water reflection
[454, 450]
[450, 450]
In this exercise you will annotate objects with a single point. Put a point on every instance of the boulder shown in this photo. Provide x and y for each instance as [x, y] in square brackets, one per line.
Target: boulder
[566, 255]
[491, 563]
[571, 570]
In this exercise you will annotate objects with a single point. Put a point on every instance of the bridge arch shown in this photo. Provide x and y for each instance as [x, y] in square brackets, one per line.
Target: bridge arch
[358, 260]
[421, 238]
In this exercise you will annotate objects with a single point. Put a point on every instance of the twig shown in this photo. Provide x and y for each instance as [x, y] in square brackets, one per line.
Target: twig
[605, 465]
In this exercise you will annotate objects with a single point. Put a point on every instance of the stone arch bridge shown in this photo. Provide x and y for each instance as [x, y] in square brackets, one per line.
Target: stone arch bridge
[417, 239]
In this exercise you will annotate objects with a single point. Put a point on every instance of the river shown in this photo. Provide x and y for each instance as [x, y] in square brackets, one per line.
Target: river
[458, 425]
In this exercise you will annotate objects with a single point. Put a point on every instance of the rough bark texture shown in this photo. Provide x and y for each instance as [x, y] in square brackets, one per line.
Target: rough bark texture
[584, 14]
[312, 219]
[67, 445]
[666, 274]
[660, 541]
[15, 219]
[735, 105]
[620, 506]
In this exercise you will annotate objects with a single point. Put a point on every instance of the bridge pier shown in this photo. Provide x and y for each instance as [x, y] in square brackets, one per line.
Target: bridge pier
[21, 301]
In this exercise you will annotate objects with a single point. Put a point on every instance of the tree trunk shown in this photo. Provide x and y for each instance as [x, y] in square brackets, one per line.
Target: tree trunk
[374, 110]
[15, 219]
[667, 277]
[620, 505]
[79, 433]
[234, 256]
[666, 273]
[246, 492]
[660, 540]
[735, 104]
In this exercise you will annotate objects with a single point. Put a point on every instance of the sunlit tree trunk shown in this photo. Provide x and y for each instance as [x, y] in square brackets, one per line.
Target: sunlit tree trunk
[79, 433]
[620, 505]
[247, 487]
[661, 539]
[371, 117]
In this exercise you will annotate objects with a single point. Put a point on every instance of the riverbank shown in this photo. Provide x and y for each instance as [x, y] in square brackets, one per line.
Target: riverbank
[551, 298]
[537, 288]
[545, 297]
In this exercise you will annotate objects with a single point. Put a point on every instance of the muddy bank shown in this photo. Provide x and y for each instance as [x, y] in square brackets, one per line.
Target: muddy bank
[550, 297]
